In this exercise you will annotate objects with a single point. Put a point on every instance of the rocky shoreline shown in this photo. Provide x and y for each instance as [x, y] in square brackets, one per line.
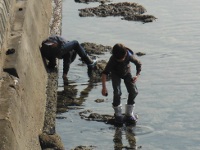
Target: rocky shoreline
[60, 102]
[49, 139]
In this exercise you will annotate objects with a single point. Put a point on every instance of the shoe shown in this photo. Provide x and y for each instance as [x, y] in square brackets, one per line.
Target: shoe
[130, 117]
[119, 119]
[93, 65]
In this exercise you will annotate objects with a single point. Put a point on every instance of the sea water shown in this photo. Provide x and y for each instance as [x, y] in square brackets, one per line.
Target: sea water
[168, 100]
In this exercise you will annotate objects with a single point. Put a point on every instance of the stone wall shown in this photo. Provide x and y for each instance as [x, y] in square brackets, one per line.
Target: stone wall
[23, 78]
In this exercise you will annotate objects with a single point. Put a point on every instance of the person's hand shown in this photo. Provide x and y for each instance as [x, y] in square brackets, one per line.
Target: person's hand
[104, 92]
[134, 79]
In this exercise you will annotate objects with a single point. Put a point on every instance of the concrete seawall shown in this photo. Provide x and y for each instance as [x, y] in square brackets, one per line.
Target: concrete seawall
[23, 78]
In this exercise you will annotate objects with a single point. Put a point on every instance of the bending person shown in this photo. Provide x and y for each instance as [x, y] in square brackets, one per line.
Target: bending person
[57, 47]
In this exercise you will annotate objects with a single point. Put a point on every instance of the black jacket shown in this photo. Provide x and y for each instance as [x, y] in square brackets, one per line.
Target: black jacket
[122, 68]
[51, 53]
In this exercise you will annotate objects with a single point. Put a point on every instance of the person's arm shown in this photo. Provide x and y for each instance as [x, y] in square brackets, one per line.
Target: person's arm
[66, 66]
[103, 80]
[138, 68]
[104, 75]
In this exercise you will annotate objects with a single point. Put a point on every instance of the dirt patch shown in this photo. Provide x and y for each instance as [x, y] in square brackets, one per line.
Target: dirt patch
[128, 11]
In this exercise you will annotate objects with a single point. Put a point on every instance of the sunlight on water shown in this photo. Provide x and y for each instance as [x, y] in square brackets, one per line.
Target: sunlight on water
[168, 100]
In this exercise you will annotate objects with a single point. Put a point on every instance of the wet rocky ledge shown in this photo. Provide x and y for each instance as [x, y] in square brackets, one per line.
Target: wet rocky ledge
[127, 10]
[49, 139]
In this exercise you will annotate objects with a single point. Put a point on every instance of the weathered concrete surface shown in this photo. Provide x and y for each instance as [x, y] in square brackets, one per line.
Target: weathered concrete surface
[24, 24]
[6, 7]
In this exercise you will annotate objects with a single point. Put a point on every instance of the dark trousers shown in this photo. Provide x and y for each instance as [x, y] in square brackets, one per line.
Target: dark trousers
[74, 45]
[130, 86]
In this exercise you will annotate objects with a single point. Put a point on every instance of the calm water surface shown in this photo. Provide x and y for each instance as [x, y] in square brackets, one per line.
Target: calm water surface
[168, 101]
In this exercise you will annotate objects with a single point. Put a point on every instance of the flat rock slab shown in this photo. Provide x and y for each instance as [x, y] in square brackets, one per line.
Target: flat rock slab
[128, 11]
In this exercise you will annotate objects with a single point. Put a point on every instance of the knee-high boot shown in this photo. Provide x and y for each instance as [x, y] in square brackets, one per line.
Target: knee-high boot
[129, 114]
[118, 114]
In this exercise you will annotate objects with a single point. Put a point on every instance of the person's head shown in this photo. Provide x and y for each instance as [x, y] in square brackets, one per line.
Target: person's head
[119, 52]
[51, 44]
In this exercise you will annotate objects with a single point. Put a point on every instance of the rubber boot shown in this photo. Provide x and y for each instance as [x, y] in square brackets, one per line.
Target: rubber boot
[87, 60]
[118, 115]
[93, 63]
[130, 118]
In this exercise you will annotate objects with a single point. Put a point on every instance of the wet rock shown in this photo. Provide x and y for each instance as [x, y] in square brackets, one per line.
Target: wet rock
[92, 48]
[140, 53]
[95, 74]
[99, 100]
[50, 114]
[142, 18]
[129, 11]
[50, 142]
[85, 148]
[61, 117]
[88, 1]
[96, 49]
[108, 119]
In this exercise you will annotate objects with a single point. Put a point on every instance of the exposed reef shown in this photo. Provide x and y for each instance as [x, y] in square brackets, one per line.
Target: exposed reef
[126, 10]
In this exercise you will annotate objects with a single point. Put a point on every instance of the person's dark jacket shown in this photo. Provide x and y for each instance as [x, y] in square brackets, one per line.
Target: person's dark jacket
[122, 68]
[51, 53]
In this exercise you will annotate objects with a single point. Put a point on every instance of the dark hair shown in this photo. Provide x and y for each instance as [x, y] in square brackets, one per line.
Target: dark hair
[119, 51]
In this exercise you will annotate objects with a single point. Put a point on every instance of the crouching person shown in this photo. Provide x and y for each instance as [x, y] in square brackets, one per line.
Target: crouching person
[57, 47]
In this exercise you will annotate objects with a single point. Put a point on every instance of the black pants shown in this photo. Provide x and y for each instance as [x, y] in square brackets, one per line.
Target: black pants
[75, 46]
[130, 86]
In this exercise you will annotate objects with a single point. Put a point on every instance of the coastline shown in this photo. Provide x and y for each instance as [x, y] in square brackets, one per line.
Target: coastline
[49, 138]
[28, 91]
